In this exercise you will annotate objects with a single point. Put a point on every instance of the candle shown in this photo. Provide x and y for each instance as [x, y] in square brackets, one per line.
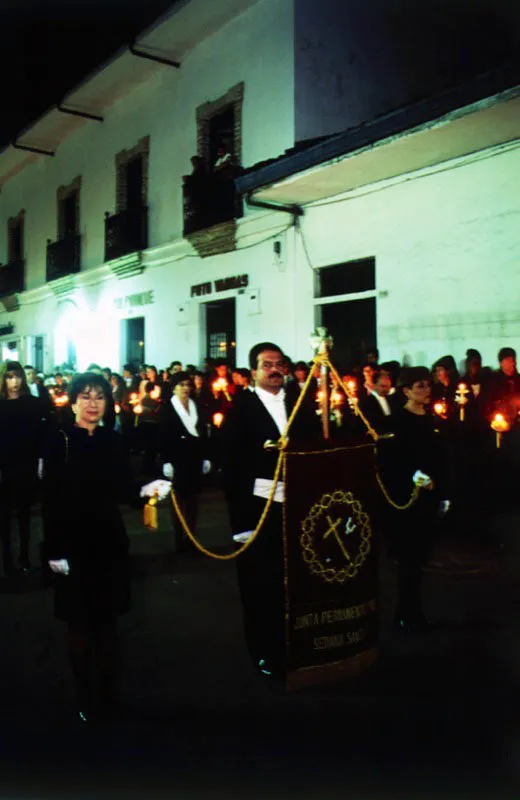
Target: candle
[138, 409]
[500, 425]
[117, 408]
[218, 419]
[461, 399]
[155, 394]
[440, 408]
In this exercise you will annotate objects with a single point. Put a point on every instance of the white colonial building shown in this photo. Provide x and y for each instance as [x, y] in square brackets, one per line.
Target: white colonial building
[400, 231]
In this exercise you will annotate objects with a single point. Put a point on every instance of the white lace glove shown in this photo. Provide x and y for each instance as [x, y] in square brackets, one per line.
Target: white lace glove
[420, 479]
[444, 507]
[168, 471]
[40, 468]
[159, 487]
[60, 567]
[206, 467]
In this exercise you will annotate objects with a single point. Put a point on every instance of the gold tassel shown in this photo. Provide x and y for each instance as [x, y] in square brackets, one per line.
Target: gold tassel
[150, 514]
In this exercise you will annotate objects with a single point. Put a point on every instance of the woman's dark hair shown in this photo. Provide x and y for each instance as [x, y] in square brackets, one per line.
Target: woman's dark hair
[10, 368]
[411, 375]
[179, 377]
[301, 365]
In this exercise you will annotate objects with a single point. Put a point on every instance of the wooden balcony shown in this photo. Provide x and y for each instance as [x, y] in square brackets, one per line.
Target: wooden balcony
[63, 257]
[12, 278]
[126, 232]
[209, 200]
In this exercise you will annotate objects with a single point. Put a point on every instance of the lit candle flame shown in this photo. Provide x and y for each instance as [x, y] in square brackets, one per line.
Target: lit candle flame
[218, 419]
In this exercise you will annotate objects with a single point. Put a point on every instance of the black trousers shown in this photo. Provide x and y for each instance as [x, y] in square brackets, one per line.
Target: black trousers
[410, 535]
[260, 573]
[16, 496]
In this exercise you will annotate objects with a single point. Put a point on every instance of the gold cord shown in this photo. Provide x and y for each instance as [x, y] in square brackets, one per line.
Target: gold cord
[320, 358]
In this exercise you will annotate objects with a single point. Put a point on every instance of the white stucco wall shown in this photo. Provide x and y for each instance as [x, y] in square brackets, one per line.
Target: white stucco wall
[447, 250]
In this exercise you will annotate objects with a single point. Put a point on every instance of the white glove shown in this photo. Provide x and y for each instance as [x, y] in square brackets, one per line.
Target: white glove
[243, 537]
[159, 487]
[168, 471]
[444, 507]
[40, 468]
[420, 479]
[206, 467]
[60, 567]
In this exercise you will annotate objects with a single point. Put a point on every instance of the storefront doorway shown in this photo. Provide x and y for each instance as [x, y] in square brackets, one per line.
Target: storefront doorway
[352, 324]
[221, 330]
[132, 341]
[345, 304]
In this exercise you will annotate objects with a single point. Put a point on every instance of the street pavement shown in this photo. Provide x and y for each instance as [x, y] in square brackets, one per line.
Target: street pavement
[436, 716]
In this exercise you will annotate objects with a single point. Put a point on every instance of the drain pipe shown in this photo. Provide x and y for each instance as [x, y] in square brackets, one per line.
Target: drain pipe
[294, 210]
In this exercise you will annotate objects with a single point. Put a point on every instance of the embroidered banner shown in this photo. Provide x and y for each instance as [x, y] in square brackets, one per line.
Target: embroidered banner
[331, 590]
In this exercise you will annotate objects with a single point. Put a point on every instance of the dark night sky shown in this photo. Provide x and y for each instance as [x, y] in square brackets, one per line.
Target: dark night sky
[47, 46]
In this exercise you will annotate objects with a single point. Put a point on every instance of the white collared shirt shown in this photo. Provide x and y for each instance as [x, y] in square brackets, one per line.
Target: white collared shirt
[383, 402]
[275, 405]
[189, 418]
[33, 388]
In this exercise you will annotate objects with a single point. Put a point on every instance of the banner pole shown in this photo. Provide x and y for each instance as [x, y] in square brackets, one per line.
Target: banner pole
[324, 390]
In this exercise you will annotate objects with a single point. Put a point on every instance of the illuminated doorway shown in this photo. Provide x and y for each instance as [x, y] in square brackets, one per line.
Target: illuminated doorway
[221, 330]
[132, 341]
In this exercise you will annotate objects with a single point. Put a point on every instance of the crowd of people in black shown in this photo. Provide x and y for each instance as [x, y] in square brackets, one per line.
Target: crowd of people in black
[66, 440]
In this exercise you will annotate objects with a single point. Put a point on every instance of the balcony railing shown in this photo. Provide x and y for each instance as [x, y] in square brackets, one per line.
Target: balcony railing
[209, 199]
[12, 278]
[63, 257]
[126, 232]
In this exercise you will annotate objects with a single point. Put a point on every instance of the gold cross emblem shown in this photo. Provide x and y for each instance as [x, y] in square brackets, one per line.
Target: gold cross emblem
[333, 528]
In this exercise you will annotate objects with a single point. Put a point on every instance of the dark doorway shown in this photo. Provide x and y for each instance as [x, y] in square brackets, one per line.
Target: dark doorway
[132, 341]
[352, 324]
[221, 133]
[69, 215]
[221, 330]
[134, 183]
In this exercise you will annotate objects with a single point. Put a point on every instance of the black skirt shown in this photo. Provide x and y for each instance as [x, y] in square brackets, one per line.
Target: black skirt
[95, 590]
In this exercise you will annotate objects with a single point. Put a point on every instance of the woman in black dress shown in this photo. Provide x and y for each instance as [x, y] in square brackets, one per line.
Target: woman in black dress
[184, 445]
[22, 427]
[413, 456]
[86, 476]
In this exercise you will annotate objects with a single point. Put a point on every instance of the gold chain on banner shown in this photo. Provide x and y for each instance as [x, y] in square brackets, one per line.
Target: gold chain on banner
[281, 444]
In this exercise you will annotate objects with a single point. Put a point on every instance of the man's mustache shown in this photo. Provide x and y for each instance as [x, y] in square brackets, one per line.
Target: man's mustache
[276, 375]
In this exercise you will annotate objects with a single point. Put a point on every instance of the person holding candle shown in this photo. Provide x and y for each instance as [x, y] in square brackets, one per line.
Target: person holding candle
[444, 383]
[414, 456]
[85, 476]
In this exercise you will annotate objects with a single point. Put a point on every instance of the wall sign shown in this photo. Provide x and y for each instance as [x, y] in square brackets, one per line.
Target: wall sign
[133, 300]
[220, 285]
[5, 330]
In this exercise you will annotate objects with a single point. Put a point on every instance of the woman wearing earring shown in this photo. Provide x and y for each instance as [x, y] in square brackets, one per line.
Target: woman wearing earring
[22, 427]
[86, 476]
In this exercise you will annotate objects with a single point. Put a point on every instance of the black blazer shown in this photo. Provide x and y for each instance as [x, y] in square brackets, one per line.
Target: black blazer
[372, 410]
[183, 450]
[246, 428]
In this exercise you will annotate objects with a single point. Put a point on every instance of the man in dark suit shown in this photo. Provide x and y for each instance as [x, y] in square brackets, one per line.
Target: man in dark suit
[249, 433]
[379, 405]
